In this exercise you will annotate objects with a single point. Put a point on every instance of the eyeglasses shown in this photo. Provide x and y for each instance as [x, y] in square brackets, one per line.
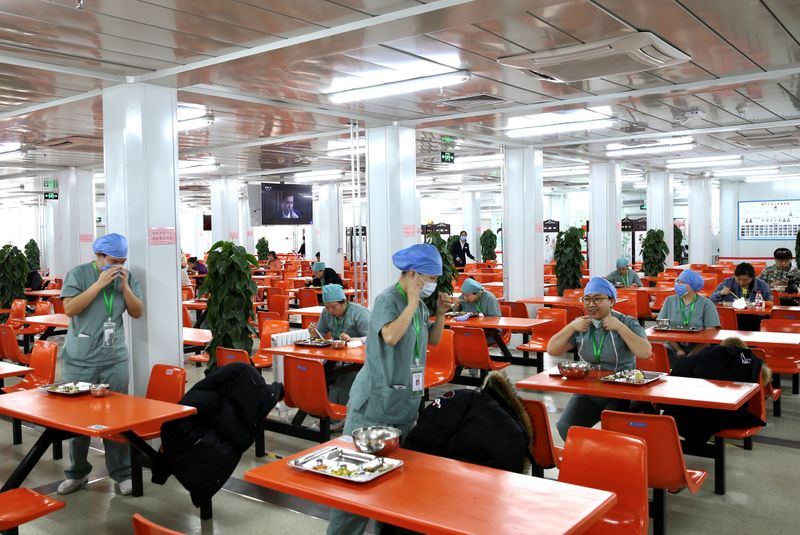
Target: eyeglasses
[594, 300]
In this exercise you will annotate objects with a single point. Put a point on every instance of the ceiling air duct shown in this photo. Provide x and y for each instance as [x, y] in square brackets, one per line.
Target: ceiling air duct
[637, 52]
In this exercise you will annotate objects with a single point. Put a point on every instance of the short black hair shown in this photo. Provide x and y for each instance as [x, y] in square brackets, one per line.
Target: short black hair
[782, 253]
[192, 259]
[273, 253]
[745, 269]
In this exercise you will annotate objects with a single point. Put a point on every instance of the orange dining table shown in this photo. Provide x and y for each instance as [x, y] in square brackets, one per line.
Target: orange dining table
[716, 336]
[12, 370]
[46, 294]
[52, 322]
[435, 495]
[497, 324]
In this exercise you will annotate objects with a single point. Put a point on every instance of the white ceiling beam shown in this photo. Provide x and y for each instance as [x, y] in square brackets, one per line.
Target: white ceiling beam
[50, 104]
[275, 140]
[61, 69]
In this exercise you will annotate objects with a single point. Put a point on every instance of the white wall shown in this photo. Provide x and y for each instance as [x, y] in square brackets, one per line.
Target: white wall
[18, 225]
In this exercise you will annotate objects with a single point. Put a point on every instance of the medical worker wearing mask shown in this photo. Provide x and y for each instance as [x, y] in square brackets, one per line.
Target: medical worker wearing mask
[389, 388]
[477, 300]
[604, 338]
[95, 297]
[688, 308]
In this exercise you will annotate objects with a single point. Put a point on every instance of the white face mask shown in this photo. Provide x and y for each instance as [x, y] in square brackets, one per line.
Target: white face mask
[597, 323]
[428, 289]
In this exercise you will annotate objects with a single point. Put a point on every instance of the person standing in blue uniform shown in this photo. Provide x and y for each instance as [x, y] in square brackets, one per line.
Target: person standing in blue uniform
[389, 388]
[95, 297]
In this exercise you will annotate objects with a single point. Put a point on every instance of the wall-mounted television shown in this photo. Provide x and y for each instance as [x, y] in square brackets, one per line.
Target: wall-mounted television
[286, 204]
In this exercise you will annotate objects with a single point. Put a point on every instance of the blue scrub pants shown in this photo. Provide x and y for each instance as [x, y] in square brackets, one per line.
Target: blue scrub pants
[584, 411]
[118, 459]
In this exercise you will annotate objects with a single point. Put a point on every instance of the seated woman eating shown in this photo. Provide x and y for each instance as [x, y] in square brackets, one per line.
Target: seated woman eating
[477, 300]
[688, 308]
[604, 338]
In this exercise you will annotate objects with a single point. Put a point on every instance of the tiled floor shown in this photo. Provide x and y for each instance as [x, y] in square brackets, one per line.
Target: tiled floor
[762, 489]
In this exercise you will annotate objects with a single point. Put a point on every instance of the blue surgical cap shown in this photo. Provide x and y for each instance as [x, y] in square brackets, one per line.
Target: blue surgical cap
[692, 278]
[599, 285]
[622, 262]
[471, 286]
[318, 266]
[332, 292]
[112, 245]
[422, 257]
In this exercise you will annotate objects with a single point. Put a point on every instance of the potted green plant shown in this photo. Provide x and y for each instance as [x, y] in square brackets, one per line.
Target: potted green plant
[569, 259]
[449, 272]
[230, 290]
[654, 252]
[678, 248]
[262, 248]
[797, 248]
[488, 245]
[13, 275]
[32, 254]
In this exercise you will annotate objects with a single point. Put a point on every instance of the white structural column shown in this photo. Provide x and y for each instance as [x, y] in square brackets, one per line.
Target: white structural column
[70, 221]
[605, 235]
[471, 221]
[523, 245]
[140, 144]
[392, 201]
[728, 218]
[659, 207]
[225, 210]
[246, 226]
[699, 220]
[331, 241]
[312, 241]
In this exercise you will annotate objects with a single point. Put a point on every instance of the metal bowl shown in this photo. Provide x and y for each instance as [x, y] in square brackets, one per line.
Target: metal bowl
[378, 440]
[574, 370]
[338, 344]
[99, 390]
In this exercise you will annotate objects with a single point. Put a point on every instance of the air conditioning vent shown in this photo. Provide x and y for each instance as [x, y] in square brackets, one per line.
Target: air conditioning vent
[638, 52]
[766, 140]
[76, 143]
[474, 101]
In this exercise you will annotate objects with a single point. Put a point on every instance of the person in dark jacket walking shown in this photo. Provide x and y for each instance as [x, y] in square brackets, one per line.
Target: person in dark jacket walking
[460, 250]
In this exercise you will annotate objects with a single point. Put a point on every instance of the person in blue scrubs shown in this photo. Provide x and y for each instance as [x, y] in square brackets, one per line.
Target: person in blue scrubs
[389, 388]
[477, 300]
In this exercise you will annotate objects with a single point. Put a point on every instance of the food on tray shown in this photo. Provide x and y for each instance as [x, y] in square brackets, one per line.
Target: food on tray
[627, 376]
[69, 388]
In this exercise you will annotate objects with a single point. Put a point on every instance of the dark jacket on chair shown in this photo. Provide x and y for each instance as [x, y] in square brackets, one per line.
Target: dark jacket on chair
[204, 449]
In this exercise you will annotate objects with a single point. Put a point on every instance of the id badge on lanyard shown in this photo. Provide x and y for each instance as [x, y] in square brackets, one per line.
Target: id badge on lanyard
[417, 371]
[109, 333]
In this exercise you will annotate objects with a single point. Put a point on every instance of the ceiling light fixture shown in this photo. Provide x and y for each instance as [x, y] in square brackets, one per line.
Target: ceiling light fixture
[322, 175]
[339, 148]
[563, 128]
[680, 140]
[705, 161]
[196, 123]
[565, 171]
[772, 178]
[650, 150]
[747, 171]
[476, 162]
[401, 87]
[201, 165]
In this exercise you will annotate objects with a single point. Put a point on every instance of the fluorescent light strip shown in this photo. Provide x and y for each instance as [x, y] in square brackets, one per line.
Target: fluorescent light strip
[399, 88]
[695, 165]
[632, 178]
[650, 150]
[707, 158]
[565, 171]
[561, 128]
[559, 117]
[640, 185]
[771, 178]
[681, 140]
[186, 164]
[746, 171]
[196, 123]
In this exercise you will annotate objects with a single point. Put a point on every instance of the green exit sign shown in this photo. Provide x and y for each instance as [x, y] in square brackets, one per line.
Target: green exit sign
[448, 157]
[643, 206]
[50, 196]
[448, 139]
[51, 183]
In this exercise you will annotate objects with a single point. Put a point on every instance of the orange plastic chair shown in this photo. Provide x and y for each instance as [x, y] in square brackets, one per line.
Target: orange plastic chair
[543, 333]
[264, 316]
[629, 307]
[770, 390]
[55, 284]
[778, 314]
[263, 360]
[142, 526]
[727, 318]
[783, 361]
[272, 290]
[505, 312]
[440, 362]
[20, 506]
[11, 350]
[58, 305]
[307, 389]
[545, 453]
[17, 317]
[573, 292]
[517, 309]
[187, 293]
[596, 458]
[665, 284]
[658, 304]
[307, 297]
[658, 361]
[472, 350]
[229, 356]
[279, 304]
[666, 467]
[187, 319]
[43, 362]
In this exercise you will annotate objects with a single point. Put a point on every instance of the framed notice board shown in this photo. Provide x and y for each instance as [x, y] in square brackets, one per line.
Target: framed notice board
[769, 220]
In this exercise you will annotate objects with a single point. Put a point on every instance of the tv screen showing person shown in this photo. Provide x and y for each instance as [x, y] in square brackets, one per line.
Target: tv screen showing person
[286, 204]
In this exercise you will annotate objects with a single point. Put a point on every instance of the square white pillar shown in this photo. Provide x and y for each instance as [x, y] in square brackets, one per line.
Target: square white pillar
[523, 243]
[392, 201]
[699, 224]
[729, 218]
[471, 221]
[246, 225]
[331, 245]
[140, 145]
[659, 207]
[72, 217]
[605, 227]
[225, 210]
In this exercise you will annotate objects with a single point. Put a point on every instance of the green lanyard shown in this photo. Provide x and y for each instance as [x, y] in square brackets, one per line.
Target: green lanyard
[744, 293]
[597, 349]
[340, 323]
[691, 310]
[107, 298]
[416, 324]
[624, 279]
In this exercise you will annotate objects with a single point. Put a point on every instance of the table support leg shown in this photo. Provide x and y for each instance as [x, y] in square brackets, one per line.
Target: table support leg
[48, 436]
[498, 338]
[206, 512]
[658, 511]
[719, 465]
[16, 431]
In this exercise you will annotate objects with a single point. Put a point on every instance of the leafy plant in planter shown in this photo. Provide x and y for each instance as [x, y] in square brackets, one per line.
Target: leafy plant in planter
[797, 248]
[451, 240]
[449, 273]
[13, 275]
[654, 252]
[488, 245]
[678, 249]
[569, 259]
[32, 254]
[230, 290]
[262, 248]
